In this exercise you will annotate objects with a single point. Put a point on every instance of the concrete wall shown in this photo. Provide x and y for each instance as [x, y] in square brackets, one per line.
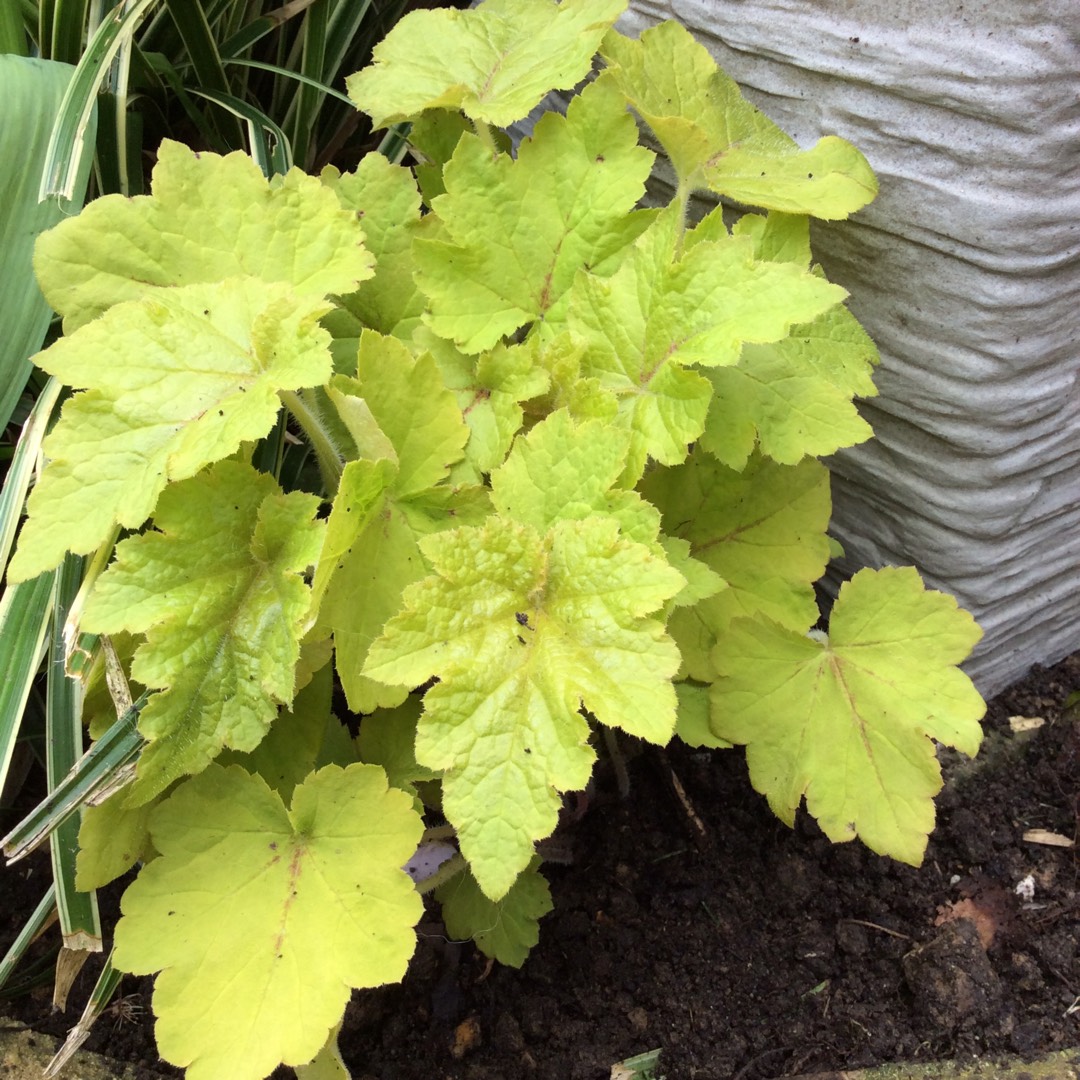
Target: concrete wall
[965, 270]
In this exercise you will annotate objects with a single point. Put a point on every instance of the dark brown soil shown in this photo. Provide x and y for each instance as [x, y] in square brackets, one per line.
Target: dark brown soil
[755, 951]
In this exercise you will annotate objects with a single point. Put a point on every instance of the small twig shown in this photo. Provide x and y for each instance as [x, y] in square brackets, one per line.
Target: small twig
[688, 807]
[878, 926]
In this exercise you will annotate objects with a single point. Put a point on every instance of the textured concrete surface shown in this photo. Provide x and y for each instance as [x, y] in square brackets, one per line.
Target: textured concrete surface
[966, 271]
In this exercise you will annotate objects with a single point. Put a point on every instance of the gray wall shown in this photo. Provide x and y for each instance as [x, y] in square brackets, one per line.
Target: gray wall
[965, 270]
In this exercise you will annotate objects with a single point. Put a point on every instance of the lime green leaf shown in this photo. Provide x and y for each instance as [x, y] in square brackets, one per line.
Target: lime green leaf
[412, 405]
[777, 237]
[762, 530]
[218, 591]
[385, 507]
[369, 441]
[716, 139]
[584, 398]
[695, 309]
[692, 725]
[566, 470]
[112, 839]
[388, 738]
[506, 930]
[488, 389]
[849, 722]
[359, 499]
[294, 742]
[658, 314]
[522, 630]
[793, 398]
[193, 372]
[246, 894]
[328, 1063]
[379, 563]
[701, 581]
[209, 218]
[385, 198]
[495, 62]
[433, 137]
[315, 654]
[518, 230]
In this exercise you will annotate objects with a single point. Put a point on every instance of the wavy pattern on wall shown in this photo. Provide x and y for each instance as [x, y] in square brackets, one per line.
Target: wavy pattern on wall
[966, 271]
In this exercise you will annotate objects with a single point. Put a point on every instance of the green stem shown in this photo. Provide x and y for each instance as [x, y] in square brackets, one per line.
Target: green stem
[682, 203]
[330, 464]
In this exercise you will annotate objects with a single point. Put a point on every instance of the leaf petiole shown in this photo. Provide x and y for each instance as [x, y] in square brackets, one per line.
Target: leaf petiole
[326, 453]
[486, 135]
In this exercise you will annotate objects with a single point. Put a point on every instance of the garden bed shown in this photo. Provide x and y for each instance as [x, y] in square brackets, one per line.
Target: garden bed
[701, 925]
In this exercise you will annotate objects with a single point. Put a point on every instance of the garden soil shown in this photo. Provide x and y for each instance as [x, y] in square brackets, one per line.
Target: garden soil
[687, 918]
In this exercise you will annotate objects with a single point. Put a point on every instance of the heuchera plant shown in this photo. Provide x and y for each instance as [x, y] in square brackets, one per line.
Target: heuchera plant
[509, 455]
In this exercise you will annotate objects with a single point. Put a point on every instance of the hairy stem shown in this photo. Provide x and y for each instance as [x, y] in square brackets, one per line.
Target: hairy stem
[486, 135]
[326, 453]
[682, 202]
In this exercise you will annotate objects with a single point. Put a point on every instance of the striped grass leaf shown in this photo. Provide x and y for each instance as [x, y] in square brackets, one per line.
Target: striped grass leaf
[21, 467]
[103, 769]
[32, 91]
[66, 153]
[40, 918]
[199, 40]
[104, 989]
[79, 922]
[25, 611]
[270, 147]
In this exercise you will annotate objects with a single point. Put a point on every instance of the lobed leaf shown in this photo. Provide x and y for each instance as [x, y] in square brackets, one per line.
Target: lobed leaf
[294, 745]
[489, 389]
[261, 919]
[193, 372]
[217, 589]
[385, 199]
[387, 738]
[112, 839]
[506, 930]
[384, 506]
[495, 62]
[762, 530]
[518, 230]
[849, 722]
[565, 470]
[716, 139]
[209, 218]
[659, 313]
[560, 622]
[791, 398]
